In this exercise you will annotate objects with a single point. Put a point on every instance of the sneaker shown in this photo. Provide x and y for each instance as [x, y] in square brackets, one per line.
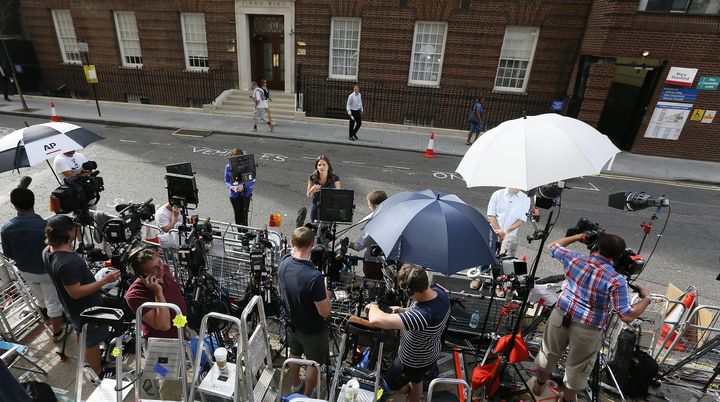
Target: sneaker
[57, 337]
[254, 130]
[272, 127]
[299, 389]
[105, 374]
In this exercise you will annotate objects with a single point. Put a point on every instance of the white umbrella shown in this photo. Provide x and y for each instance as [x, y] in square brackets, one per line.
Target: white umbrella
[533, 151]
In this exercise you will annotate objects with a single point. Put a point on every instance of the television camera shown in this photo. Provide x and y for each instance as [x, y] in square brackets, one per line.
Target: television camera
[191, 255]
[126, 228]
[78, 194]
[629, 264]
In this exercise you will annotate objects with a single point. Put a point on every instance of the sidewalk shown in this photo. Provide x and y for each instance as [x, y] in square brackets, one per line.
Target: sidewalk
[328, 130]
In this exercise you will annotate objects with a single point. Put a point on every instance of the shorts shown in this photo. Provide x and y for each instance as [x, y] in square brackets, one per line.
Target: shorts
[399, 375]
[95, 335]
[42, 287]
[477, 128]
[314, 346]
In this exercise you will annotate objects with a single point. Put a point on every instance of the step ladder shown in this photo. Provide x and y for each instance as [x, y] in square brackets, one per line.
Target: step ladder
[257, 355]
[162, 353]
[302, 362]
[452, 381]
[18, 312]
[367, 335]
[120, 387]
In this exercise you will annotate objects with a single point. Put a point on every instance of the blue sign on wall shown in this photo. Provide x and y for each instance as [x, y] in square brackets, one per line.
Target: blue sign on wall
[688, 95]
[557, 105]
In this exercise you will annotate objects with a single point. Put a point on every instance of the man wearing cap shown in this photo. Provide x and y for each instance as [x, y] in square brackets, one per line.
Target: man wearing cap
[75, 284]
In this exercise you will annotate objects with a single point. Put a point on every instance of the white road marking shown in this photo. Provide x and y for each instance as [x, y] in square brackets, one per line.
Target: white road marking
[307, 157]
[353, 163]
[592, 188]
[128, 141]
[396, 167]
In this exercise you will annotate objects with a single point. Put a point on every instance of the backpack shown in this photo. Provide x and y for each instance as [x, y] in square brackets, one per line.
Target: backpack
[266, 94]
[644, 370]
[39, 391]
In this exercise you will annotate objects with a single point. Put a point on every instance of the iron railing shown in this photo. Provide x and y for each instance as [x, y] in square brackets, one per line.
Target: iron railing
[444, 107]
[160, 86]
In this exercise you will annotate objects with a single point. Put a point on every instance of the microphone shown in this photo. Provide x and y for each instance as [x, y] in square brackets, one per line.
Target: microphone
[300, 220]
[149, 200]
[25, 182]
[121, 207]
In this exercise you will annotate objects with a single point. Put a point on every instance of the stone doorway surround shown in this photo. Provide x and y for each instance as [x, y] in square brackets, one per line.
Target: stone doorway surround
[243, 10]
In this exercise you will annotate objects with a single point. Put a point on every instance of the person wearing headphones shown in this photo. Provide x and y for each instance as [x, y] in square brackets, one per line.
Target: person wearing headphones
[422, 325]
[155, 283]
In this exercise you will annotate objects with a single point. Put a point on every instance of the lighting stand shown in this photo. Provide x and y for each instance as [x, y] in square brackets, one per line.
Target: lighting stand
[601, 364]
[647, 227]
[530, 283]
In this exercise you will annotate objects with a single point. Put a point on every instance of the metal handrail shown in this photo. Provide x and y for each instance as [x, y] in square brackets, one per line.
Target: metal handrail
[468, 391]
[304, 362]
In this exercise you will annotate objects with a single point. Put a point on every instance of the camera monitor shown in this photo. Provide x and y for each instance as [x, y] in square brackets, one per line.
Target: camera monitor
[336, 205]
[182, 190]
[243, 167]
[184, 168]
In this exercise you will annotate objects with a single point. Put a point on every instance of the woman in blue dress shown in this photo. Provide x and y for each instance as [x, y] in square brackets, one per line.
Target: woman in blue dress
[322, 177]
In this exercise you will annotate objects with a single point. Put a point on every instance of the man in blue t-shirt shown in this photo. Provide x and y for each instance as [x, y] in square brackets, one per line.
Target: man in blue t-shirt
[307, 302]
[422, 325]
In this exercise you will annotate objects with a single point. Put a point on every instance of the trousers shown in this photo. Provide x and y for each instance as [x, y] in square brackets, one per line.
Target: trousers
[241, 209]
[355, 122]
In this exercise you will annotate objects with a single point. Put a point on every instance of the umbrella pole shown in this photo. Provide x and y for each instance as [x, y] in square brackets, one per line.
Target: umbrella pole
[53, 171]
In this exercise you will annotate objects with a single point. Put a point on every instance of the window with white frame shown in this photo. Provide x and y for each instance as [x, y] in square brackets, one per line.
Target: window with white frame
[195, 40]
[681, 6]
[427, 53]
[344, 48]
[66, 36]
[516, 58]
[128, 38]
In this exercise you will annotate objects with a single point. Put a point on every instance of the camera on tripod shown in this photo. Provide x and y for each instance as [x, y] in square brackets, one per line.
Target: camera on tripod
[78, 193]
[127, 226]
[191, 255]
[629, 264]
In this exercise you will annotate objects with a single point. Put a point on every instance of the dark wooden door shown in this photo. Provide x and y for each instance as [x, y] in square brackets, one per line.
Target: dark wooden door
[267, 51]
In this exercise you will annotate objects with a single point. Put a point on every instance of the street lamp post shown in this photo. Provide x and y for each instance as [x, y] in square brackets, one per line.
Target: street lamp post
[14, 77]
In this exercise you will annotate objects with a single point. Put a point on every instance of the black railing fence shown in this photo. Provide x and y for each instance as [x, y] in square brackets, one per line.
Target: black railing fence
[160, 86]
[444, 107]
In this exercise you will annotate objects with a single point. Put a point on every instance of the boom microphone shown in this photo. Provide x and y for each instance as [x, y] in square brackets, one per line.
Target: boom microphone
[25, 182]
[300, 220]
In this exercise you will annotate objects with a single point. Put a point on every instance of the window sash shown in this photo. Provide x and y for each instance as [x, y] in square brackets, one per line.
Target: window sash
[195, 41]
[516, 58]
[427, 53]
[344, 48]
[128, 38]
[65, 31]
[703, 7]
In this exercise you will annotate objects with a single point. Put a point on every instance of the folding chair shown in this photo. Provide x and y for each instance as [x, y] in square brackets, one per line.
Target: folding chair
[14, 353]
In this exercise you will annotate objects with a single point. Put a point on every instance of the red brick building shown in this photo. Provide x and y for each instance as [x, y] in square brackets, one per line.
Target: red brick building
[418, 61]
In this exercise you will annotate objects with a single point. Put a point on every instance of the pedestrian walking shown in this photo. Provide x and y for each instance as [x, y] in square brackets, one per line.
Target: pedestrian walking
[476, 118]
[260, 104]
[355, 110]
[240, 192]
[322, 177]
[266, 95]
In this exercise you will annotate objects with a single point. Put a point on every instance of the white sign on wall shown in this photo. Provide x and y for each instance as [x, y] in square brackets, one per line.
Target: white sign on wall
[668, 120]
[681, 76]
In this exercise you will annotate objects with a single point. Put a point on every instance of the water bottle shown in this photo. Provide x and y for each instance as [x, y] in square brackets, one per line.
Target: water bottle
[351, 390]
[475, 319]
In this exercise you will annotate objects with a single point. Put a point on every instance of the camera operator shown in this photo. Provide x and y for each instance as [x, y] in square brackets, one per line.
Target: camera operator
[372, 266]
[591, 291]
[307, 302]
[75, 284]
[506, 213]
[155, 283]
[70, 164]
[23, 239]
[422, 325]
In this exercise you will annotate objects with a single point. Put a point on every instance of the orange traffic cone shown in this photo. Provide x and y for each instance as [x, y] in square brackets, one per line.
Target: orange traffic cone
[53, 115]
[674, 316]
[272, 223]
[430, 151]
[278, 220]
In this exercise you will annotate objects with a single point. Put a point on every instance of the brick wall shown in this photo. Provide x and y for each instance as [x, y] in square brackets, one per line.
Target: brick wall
[473, 44]
[163, 78]
[616, 29]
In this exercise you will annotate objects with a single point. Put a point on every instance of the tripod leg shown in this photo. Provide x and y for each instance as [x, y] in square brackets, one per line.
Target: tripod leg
[606, 366]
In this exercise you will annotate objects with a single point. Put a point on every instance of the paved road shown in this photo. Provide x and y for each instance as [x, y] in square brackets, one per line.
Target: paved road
[132, 163]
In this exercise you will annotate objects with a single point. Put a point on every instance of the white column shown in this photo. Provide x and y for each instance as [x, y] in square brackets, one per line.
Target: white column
[289, 22]
[243, 47]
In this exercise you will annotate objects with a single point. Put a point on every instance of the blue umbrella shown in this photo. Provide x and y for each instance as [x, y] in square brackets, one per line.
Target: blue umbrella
[436, 230]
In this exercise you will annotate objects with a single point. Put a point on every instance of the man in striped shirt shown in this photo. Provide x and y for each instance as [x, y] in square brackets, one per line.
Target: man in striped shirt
[422, 324]
[591, 291]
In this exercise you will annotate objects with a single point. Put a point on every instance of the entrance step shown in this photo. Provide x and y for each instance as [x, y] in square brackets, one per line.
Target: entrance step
[240, 103]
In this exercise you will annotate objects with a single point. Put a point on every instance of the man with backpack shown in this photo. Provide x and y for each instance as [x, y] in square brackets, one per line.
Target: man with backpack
[261, 105]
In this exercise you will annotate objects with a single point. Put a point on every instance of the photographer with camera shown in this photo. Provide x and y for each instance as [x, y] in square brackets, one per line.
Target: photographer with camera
[75, 284]
[591, 291]
[422, 325]
[155, 283]
[372, 265]
[506, 212]
[307, 302]
[70, 164]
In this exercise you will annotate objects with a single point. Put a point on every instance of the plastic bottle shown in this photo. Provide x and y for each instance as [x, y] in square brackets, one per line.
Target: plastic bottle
[475, 319]
[351, 390]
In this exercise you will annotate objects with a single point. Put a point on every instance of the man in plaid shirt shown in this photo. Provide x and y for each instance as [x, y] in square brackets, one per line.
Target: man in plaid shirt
[592, 289]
